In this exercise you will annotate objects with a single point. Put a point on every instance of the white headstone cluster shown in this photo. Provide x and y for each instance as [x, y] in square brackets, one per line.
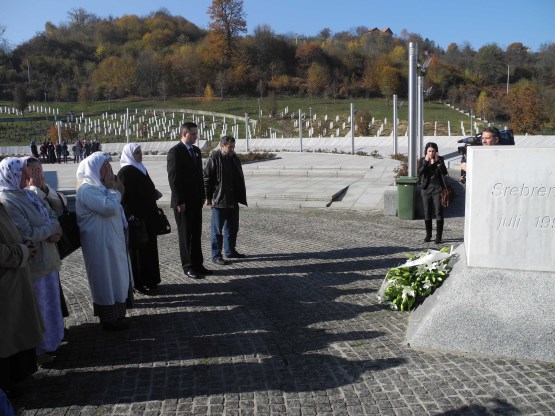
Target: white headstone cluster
[9, 110]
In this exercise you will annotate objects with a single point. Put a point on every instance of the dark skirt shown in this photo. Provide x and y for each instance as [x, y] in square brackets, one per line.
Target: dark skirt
[145, 264]
[108, 313]
[17, 368]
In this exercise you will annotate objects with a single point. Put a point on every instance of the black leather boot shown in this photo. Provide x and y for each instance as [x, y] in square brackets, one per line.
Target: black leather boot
[428, 230]
[439, 231]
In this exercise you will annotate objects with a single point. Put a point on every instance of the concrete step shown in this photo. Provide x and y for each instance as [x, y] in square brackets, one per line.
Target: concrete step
[332, 173]
[287, 204]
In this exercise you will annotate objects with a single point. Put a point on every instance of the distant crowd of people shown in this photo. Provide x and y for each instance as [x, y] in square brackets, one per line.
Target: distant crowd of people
[50, 152]
[119, 221]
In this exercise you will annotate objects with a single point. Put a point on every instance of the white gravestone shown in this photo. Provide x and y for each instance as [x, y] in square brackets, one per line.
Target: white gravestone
[510, 208]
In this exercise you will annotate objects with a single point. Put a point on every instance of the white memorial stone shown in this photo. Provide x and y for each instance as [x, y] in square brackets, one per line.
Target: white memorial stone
[510, 208]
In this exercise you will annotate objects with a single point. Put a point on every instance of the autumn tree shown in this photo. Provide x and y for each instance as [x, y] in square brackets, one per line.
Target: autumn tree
[68, 134]
[308, 54]
[148, 73]
[318, 78]
[226, 25]
[483, 105]
[114, 76]
[85, 94]
[181, 75]
[489, 65]
[442, 76]
[221, 81]
[208, 94]
[389, 81]
[20, 97]
[526, 108]
[546, 63]
[517, 54]
[369, 81]
[363, 121]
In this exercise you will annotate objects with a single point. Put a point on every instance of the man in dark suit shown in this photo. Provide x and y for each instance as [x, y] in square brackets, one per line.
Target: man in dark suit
[187, 199]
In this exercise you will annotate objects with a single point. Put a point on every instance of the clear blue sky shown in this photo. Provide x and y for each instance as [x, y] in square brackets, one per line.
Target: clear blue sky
[478, 22]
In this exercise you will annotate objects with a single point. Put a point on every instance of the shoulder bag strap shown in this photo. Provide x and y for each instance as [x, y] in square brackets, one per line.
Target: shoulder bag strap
[64, 207]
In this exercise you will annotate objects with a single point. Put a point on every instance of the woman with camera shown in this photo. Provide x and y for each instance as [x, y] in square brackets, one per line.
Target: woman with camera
[431, 169]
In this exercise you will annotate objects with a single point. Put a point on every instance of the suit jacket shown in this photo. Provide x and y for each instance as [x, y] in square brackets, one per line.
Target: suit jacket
[185, 176]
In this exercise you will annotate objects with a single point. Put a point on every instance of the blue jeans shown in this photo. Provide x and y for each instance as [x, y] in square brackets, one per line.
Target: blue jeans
[224, 229]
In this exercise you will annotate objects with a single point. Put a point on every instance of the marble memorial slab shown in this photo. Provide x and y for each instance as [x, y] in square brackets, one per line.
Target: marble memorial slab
[510, 208]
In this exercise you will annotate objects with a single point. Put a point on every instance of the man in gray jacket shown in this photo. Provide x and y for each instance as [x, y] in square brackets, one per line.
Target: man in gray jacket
[224, 184]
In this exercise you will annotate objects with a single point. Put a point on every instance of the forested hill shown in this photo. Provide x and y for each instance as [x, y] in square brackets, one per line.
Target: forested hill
[89, 58]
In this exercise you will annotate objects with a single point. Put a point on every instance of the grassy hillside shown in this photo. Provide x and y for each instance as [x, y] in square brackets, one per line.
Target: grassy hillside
[19, 130]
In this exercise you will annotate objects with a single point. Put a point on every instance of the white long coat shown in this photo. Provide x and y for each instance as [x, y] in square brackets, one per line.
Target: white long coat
[103, 243]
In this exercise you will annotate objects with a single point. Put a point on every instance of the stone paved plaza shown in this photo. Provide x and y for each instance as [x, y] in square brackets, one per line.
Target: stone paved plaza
[294, 329]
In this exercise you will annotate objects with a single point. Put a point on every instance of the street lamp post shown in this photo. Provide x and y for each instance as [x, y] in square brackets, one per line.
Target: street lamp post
[471, 129]
[352, 129]
[412, 127]
[395, 150]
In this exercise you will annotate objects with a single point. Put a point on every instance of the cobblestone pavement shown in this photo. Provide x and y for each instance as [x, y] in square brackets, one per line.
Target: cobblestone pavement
[294, 329]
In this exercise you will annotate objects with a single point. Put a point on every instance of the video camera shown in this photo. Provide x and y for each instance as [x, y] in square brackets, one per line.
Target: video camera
[469, 141]
[506, 138]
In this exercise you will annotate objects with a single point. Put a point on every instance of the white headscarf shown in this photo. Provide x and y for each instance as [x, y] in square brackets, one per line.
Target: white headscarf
[89, 169]
[11, 171]
[89, 172]
[127, 157]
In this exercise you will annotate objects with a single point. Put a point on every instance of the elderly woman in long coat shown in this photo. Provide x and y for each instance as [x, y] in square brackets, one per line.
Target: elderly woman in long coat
[139, 201]
[20, 322]
[38, 223]
[101, 224]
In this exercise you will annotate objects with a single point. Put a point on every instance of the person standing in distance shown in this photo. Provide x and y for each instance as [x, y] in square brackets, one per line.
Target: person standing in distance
[184, 167]
[431, 169]
[224, 185]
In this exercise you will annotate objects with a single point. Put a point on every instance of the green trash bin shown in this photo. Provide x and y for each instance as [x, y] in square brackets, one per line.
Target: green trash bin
[406, 197]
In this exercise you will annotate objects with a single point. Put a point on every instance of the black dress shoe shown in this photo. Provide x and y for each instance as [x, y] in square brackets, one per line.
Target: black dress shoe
[220, 261]
[193, 275]
[142, 289]
[236, 255]
[204, 270]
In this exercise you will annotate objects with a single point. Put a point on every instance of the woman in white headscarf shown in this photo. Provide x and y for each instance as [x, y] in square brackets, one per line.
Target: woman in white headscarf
[101, 224]
[38, 223]
[53, 199]
[139, 202]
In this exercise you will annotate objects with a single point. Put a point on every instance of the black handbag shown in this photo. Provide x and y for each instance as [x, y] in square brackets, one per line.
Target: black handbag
[71, 239]
[138, 236]
[447, 193]
[163, 225]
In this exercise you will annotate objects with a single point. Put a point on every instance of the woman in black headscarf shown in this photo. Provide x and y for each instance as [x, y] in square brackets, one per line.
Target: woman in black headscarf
[139, 201]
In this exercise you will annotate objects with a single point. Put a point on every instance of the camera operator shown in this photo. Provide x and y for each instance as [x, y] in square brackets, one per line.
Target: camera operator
[490, 136]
